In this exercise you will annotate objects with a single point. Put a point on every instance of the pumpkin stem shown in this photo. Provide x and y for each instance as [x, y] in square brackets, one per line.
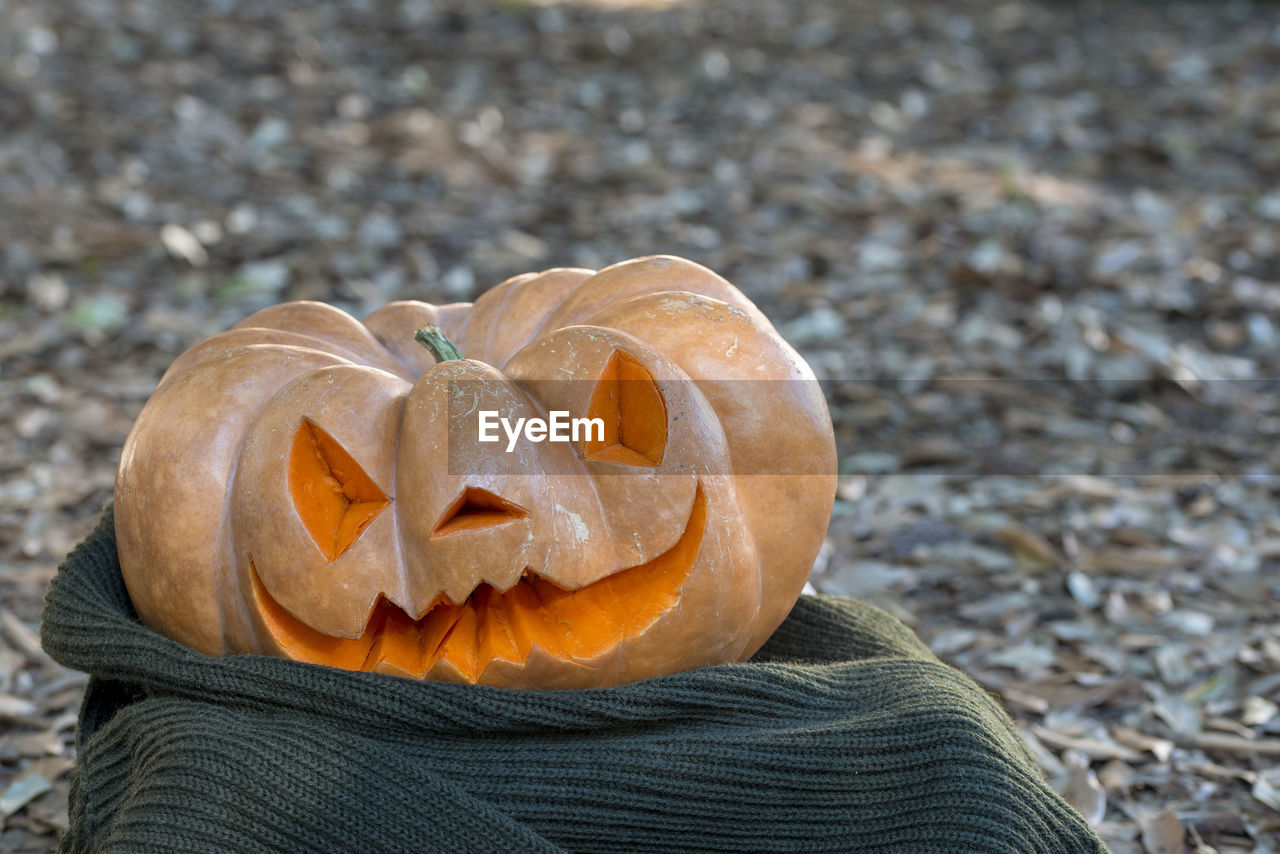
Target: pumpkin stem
[432, 337]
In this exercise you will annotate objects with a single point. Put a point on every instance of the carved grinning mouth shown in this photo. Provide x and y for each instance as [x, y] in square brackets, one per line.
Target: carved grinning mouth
[499, 625]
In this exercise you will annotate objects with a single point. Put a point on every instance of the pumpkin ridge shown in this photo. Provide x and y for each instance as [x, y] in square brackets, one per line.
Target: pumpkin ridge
[548, 309]
[202, 353]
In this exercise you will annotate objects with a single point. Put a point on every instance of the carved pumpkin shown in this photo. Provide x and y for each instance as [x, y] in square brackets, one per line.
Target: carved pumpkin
[297, 486]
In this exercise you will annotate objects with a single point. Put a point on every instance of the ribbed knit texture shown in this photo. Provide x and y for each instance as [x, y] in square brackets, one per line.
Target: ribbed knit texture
[843, 734]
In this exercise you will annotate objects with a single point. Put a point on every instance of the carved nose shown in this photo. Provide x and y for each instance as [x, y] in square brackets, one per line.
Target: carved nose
[477, 509]
[481, 537]
[460, 520]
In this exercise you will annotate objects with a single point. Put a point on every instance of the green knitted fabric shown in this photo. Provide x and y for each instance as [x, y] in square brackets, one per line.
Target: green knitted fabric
[843, 734]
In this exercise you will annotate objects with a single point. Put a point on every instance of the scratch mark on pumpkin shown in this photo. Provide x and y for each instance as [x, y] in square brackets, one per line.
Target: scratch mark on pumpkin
[459, 394]
[580, 531]
[734, 348]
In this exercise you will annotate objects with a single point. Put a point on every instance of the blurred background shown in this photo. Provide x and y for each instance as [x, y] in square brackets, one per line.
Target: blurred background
[1031, 248]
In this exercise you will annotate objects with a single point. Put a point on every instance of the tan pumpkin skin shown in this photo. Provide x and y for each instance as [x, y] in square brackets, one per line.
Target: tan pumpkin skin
[216, 554]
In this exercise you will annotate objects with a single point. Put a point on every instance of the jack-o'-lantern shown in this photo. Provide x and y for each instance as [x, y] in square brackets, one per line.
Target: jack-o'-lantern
[310, 486]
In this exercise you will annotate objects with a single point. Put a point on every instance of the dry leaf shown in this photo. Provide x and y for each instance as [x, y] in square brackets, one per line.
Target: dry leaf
[1258, 711]
[1094, 748]
[1116, 776]
[1027, 543]
[1267, 788]
[1161, 748]
[21, 792]
[1162, 833]
[16, 707]
[1083, 791]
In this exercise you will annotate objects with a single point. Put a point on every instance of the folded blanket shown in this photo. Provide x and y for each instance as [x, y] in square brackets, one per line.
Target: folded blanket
[843, 734]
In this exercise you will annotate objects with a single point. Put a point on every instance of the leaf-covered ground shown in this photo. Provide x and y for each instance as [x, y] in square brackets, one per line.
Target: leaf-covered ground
[1032, 248]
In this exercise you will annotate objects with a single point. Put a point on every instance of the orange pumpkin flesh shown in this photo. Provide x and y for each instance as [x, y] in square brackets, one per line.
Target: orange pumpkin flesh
[475, 509]
[633, 412]
[334, 497]
[353, 534]
[499, 625]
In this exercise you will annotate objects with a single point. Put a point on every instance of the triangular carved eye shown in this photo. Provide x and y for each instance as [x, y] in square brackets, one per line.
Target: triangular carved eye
[627, 399]
[333, 495]
[476, 508]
